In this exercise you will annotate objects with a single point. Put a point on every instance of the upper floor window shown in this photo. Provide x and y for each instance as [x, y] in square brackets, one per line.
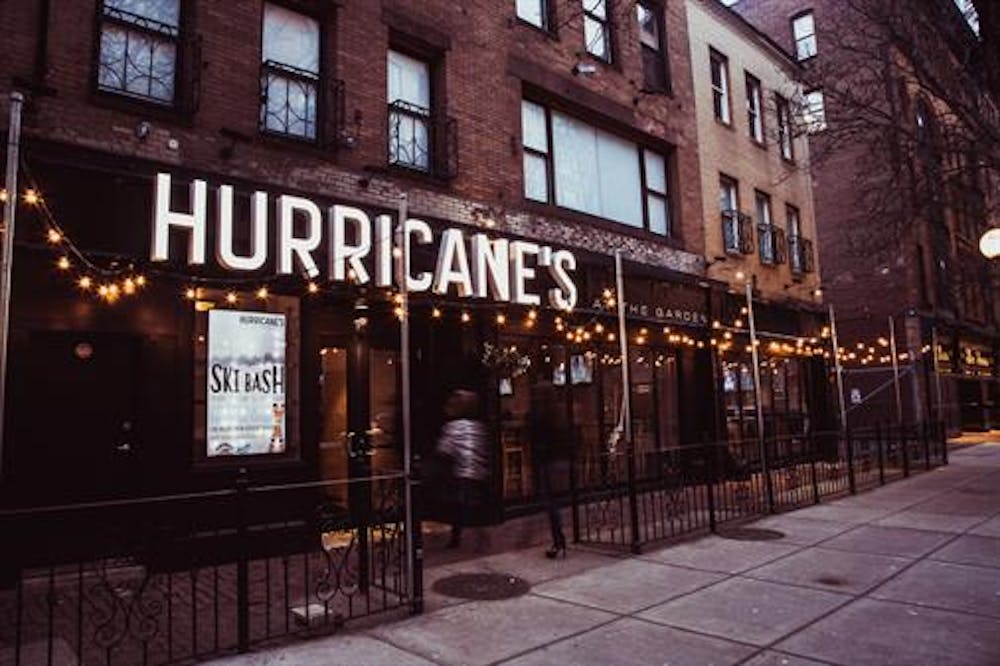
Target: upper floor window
[409, 95]
[814, 111]
[654, 59]
[597, 29]
[290, 72]
[729, 205]
[804, 34]
[577, 166]
[784, 127]
[139, 46]
[720, 86]
[535, 12]
[755, 115]
[765, 229]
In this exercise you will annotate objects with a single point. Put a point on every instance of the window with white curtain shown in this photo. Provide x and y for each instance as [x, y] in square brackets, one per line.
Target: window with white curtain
[139, 40]
[409, 97]
[720, 86]
[290, 72]
[804, 34]
[597, 29]
[784, 127]
[755, 116]
[572, 164]
[765, 230]
[534, 12]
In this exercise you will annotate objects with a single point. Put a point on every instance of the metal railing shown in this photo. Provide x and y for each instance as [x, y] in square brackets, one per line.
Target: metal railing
[422, 140]
[737, 232]
[771, 244]
[801, 255]
[185, 577]
[696, 488]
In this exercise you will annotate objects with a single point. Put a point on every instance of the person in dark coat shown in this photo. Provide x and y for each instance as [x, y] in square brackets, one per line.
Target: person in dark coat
[463, 441]
[550, 446]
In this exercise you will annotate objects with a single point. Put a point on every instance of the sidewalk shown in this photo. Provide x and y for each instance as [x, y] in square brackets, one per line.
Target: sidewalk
[905, 574]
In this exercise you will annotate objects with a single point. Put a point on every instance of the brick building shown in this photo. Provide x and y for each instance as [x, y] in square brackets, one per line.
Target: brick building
[535, 130]
[900, 208]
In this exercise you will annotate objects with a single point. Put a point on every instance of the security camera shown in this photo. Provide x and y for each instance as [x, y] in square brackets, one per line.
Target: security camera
[584, 69]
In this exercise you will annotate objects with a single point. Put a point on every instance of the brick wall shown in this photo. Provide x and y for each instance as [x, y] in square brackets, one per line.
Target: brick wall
[481, 39]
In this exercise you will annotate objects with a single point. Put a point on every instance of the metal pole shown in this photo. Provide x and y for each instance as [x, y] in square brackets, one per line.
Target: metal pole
[937, 376]
[403, 271]
[758, 397]
[838, 370]
[895, 370]
[627, 402]
[7, 256]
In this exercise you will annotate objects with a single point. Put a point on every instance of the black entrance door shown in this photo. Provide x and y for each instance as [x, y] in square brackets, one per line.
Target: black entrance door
[74, 430]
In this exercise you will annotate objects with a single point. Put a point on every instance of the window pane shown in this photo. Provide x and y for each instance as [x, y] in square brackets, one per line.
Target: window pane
[621, 186]
[291, 105]
[814, 115]
[596, 7]
[793, 222]
[649, 27]
[658, 222]
[409, 80]
[137, 62]
[575, 164]
[408, 140]
[532, 11]
[763, 209]
[534, 134]
[804, 26]
[595, 36]
[656, 172]
[291, 39]
[164, 11]
[727, 196]
[536, 185]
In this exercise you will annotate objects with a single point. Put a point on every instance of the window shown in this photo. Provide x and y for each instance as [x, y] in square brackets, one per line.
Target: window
[139, 48]
[729, 205]
[720, 86]
[534, 12]
[804, 34]
[813, 112]
[580, 167]
[755, 116]
[765, 229]
[784, 127]
[596, 29]
[535, 138]
[290, 73]
[409, 95]
[654, 60]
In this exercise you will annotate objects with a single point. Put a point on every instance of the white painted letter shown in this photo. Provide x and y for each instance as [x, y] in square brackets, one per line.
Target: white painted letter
[520, 274]
[452, 264]
[422, 232]
[564, 296]
[341, 253]
[490, 268]
[164, 218]
[289, 246]
[258, 232]
[383, 251]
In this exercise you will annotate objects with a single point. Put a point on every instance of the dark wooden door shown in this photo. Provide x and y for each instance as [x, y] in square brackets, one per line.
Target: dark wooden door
[75, 432]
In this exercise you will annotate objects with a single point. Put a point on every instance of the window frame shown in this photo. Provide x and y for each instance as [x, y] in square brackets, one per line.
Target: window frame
[292, 72]
[606, 25]
[772, 258]
[656, 8]
[428, 117]
[756, 128]
[797, 40]
[821, 125]
[548, 24]
[641, 148]
[734, 187]
[122, 95]
[723, 92]
[786, 138]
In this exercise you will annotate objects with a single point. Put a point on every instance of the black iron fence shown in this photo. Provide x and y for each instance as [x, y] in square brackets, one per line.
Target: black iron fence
[627, 502]
[185, 577]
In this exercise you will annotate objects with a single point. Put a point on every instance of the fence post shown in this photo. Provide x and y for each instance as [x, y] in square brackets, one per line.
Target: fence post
[417, 593]
[881, 453]
[813, 452]
[633, 500]
[710, 476]
[242, 566]
[906, 450]
[926, 431]
[943, 437]
[851, 483]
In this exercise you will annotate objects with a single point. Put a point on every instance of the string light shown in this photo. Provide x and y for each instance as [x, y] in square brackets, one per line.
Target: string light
[85, 283]
[313, 288]
[231, 298]
[3, 196]
[32, 197]
[501, 319]
[465, 317]
[54, 237]
[262, 293]
[436, 313]
[63, 263]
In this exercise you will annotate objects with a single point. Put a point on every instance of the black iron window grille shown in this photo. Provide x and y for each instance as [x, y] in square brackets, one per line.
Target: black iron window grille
[737, 232]
[289, 100]
[800, 255]
[138, 52]
[422, 140]
[771, 244]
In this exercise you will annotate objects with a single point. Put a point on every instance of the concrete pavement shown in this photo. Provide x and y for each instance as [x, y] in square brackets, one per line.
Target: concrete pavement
[905, 574]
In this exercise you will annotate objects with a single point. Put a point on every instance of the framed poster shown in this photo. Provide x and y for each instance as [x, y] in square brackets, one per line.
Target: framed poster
[246, 383]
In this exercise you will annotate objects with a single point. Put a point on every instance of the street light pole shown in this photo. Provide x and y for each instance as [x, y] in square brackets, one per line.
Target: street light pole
[758, 396]
[7, 256]
[402, 272]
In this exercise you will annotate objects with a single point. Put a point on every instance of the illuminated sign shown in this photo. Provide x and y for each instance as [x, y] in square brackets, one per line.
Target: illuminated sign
[246, 383]
[360, 248]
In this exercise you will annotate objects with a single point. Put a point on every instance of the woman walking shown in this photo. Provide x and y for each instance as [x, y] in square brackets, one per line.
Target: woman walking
[463, 441]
